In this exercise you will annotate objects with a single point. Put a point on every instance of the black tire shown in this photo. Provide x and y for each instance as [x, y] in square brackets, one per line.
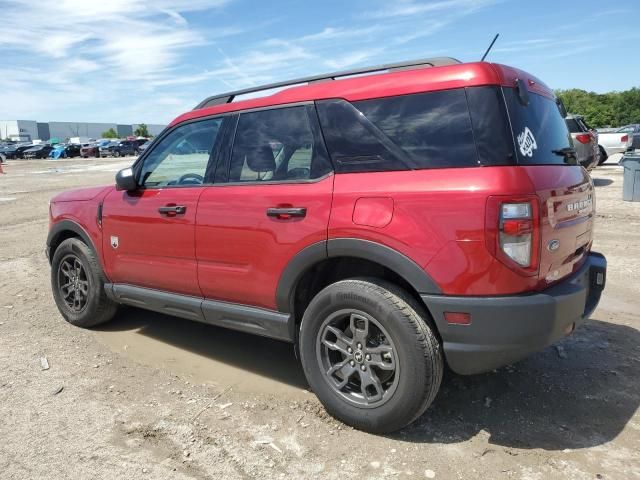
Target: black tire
[97, 308]
[417, 354]
[116, 153]
[603, 155]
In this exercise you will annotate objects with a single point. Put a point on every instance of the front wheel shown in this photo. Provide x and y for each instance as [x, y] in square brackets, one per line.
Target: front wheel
[369, 354]
[78, 282]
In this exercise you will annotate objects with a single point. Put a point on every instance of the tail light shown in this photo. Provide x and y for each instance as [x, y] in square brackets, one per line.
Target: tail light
[513, 232]
[585, 138]
[624, 139]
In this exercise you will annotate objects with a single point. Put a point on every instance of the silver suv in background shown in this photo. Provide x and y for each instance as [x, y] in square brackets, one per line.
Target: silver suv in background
[585, 141]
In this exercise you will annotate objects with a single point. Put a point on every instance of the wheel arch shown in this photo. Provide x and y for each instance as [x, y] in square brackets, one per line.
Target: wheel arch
[326, 262]
[63, 230]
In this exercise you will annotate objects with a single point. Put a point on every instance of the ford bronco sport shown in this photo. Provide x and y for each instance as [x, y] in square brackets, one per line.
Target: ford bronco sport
[387, 223]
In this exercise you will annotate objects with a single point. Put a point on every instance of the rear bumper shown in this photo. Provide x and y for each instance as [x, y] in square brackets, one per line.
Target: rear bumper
[506, 329]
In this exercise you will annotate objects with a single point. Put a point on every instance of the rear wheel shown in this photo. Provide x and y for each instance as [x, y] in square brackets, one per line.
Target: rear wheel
[78, 282]
[603, 155]
[369, 354]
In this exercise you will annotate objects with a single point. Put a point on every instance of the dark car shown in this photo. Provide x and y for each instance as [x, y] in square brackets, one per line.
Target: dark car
[37, 151]
[65, 151]
[118, 149]
[15, 151]
[430, 213]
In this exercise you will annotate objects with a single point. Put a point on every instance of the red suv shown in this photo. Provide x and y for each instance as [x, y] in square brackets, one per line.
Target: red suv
[427, 212]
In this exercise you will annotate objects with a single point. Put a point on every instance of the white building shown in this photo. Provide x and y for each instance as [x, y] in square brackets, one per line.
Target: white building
[29, 130]
[19, 130]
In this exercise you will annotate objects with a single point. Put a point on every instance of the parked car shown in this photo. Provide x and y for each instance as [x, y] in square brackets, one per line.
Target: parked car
[386, 224]
[37, 151]
[118, 149]
[634, 131]
[138, 143]
[143, 147]
[615, 142]
[15, 151]
[65, 151]
[89, 150]
[585, 141]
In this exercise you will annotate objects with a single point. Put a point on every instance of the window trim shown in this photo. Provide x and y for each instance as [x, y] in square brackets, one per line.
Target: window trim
[213, 156]
[224, 162]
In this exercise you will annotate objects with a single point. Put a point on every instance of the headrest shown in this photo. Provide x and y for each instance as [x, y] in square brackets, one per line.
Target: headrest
[260, 159]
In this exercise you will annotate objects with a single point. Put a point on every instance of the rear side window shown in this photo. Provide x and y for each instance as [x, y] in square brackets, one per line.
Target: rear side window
[277, 145]
[538, 129]
[443, 129]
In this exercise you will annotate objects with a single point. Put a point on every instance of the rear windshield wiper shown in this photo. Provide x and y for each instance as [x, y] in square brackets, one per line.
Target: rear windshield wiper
[569, 155]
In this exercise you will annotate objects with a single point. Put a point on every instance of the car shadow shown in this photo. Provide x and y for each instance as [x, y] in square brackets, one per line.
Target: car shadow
[578, 394]
[263, 356]
[602, 182]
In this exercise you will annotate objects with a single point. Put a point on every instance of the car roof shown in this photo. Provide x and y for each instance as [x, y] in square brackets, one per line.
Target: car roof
[393, 83]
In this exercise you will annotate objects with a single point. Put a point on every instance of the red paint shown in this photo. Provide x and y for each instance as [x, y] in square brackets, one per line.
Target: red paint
[154, 250]
[225, 247]
[385, 85]
[241, 251]
[373, 212]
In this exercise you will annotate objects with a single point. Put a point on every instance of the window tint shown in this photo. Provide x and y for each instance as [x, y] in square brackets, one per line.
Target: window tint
[427, 130]
[277, 145]
[538, 129]
[182, 156]
[433, 129]
[573, 125]
[491, 129]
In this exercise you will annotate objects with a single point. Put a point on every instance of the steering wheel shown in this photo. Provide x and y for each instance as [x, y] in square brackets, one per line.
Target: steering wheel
[191, 179]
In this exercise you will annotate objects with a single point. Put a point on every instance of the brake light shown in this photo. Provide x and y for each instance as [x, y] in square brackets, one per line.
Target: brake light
[624, 139]
[584, 138]
[513, 232]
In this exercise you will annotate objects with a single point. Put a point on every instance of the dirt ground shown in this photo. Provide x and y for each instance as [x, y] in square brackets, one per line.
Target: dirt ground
[150, 396]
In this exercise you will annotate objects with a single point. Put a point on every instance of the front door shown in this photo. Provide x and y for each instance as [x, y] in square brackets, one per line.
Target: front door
[148, 234]
[270, 200]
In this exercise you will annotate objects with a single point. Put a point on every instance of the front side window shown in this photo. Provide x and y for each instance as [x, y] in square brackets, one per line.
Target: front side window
[181, 157]
[277, 145]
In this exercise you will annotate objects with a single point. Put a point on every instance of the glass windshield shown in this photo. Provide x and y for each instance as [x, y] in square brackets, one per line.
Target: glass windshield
[539, 131]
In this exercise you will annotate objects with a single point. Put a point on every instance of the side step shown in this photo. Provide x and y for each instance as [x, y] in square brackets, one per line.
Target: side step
[259, 321]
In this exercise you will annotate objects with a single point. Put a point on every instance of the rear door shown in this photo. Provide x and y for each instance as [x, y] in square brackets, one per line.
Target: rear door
[566, 191]
[148, 238]
[270, 200]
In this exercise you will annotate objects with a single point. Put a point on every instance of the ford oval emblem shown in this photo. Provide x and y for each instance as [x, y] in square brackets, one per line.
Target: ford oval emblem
[553, 245]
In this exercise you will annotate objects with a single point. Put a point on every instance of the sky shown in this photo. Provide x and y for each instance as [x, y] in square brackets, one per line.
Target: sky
[131, 61]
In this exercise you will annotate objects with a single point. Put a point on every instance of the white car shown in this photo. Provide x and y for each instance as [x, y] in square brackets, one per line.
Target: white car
[615, 142]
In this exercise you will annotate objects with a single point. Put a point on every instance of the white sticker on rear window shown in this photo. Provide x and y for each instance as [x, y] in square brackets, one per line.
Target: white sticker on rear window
[527, 142]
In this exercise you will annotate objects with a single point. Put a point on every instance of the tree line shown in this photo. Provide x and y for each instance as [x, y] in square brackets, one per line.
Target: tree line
[600, 110]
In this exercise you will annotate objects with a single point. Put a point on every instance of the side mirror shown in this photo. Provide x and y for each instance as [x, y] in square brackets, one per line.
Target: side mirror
[125, 180]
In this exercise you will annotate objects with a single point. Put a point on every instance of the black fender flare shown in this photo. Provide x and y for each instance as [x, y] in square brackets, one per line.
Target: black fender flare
[65, 226]
[375, 252]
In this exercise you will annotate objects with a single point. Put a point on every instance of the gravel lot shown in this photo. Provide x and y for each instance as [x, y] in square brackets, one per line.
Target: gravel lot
[150, 396]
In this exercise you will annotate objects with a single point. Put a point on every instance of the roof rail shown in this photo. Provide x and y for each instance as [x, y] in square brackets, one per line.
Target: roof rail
[407, 65]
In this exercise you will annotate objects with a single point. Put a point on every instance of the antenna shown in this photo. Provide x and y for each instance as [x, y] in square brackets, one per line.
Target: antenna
[489, 49]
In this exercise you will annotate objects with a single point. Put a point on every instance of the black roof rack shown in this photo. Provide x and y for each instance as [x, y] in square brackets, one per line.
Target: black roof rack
[407, 65]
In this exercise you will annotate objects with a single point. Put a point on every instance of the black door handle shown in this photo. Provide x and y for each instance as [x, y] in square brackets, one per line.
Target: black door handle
[287, 212]
[173, 210]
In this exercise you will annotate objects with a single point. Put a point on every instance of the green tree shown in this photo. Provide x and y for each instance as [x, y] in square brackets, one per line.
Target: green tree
[613, 109]
[111, 133]
[141, 131]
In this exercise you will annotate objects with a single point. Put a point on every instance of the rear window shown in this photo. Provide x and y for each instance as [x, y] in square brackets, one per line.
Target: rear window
[573, 125]
[443, 129]
[538, 129]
